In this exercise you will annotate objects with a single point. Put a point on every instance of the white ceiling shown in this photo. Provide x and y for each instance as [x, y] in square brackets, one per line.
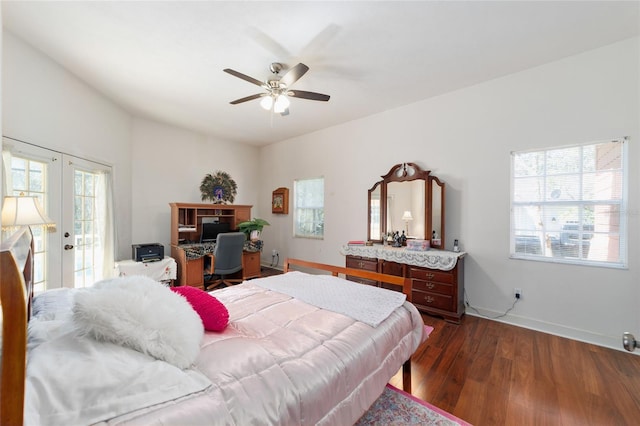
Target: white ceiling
[164, 60]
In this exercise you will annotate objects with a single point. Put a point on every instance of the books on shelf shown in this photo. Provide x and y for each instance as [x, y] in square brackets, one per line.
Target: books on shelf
[184, 228]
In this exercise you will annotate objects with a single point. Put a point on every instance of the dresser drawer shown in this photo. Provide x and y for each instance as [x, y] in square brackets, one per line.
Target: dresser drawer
[432, 287]
[431, 275]
[432, 300]
[363, 263]
[392, 268]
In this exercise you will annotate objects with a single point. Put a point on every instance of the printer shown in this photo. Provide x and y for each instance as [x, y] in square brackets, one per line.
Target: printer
[150, 252]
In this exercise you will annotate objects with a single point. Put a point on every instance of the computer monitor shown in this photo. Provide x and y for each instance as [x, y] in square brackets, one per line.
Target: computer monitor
[210, 231]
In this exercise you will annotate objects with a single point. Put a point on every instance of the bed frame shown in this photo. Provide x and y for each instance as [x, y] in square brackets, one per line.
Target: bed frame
[336, 271]
[16, 291]
[16, 271]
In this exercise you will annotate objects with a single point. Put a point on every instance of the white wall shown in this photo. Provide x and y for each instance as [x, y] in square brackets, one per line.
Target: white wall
[465, 138]
[45, 105]
[168, 166]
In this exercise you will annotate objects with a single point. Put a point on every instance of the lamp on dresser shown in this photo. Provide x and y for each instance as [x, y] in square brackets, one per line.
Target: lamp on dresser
[407, 217]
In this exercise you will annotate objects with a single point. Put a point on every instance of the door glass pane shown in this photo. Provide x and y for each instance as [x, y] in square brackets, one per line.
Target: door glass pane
[28, 178]
[88, 250]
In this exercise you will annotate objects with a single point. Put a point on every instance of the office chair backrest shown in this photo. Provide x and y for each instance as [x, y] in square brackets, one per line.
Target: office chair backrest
[228, 253]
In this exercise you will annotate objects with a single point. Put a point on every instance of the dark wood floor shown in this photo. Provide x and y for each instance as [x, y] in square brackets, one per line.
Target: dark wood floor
[489, 373]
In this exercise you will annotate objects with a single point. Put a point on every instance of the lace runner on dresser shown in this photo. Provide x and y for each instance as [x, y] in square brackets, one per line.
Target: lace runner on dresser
[433, 259]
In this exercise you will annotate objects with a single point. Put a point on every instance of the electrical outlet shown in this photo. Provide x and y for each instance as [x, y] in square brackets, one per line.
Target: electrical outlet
[517, 292]
[274, 253]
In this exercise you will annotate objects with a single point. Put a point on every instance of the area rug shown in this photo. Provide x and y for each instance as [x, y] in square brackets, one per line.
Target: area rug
[396, 407]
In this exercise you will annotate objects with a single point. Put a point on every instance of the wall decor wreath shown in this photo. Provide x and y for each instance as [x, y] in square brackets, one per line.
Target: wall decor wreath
[218, 188]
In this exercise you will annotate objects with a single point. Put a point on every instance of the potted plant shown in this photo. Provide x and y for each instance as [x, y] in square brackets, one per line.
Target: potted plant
[253, 229]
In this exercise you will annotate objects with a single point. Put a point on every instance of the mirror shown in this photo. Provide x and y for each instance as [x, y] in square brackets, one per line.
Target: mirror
[375, 222]
[407, 199]
[437, 209]
[405, 208]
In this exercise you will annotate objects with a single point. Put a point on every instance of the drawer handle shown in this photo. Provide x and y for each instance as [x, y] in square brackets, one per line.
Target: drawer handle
[430, 285]
[430, 299]
[430, 276]
[361, 265]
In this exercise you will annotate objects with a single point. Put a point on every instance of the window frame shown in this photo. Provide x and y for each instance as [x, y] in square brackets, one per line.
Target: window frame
[622, 261]
[297, 210]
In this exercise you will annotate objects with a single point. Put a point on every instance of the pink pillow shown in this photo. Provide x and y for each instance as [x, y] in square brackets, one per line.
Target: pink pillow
[213, 313]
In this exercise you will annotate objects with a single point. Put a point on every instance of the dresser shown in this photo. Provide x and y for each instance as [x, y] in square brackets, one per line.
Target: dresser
[437, 276]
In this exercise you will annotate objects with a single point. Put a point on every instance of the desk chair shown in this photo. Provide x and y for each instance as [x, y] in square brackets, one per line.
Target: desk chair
[227, 259]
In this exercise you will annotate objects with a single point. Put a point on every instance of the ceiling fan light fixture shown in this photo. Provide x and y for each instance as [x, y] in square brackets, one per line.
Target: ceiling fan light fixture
[276, 98]
[281, 104]
[266, 102]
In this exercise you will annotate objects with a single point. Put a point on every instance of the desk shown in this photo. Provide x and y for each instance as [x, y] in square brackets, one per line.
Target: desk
[191, 266]
[164, 270]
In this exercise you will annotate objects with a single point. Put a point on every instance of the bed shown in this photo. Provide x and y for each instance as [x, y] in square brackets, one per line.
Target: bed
[285, 357]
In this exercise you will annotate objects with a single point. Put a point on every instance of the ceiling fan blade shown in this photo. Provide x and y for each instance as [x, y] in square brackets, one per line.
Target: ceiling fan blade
[248, 98]
[308, 95]
[294, 74]
[246, 77]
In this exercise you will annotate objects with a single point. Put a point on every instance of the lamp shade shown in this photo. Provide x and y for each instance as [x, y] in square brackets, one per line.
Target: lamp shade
[407, 216]
[21, 211]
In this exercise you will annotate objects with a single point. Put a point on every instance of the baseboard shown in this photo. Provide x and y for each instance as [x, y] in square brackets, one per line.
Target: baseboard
[266, 265]
[551, 328]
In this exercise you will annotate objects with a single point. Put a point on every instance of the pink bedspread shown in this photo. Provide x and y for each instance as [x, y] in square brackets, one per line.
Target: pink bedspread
[282, 361]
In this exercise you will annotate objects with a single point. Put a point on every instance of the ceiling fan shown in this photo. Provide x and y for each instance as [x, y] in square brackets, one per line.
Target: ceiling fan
[278, 89]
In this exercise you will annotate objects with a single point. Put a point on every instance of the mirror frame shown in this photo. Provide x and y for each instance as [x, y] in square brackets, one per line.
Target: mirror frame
[406, 172]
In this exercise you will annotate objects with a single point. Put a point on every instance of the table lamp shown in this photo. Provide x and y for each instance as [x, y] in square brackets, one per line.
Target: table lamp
[23, 211]
[407, 217]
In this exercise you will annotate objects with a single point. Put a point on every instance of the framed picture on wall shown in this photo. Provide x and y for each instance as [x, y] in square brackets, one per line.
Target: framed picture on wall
[280, 201]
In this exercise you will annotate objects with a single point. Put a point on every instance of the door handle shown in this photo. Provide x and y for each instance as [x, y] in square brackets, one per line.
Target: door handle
[68, 246]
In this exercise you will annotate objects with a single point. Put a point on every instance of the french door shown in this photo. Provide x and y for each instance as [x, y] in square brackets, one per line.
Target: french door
[87, 230]
[75, 194]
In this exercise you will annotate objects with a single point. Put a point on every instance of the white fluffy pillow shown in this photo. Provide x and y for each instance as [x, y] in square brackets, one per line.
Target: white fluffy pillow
[140, 313]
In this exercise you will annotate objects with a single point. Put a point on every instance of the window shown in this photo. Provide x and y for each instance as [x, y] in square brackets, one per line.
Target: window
[568, 204]
[308, 208]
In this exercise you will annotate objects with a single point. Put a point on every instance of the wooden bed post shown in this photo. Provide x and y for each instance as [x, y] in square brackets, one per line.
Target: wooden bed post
[15, 294]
